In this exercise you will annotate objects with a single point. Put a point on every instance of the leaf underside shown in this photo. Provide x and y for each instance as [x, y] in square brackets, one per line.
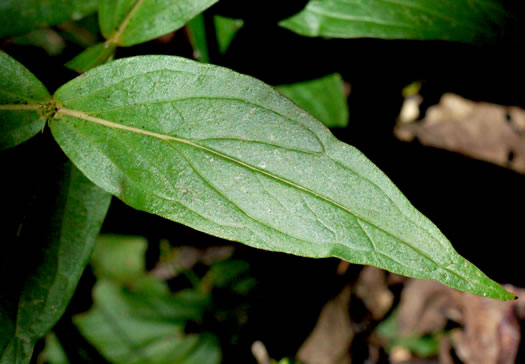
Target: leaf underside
[454, 20]
[228, 155]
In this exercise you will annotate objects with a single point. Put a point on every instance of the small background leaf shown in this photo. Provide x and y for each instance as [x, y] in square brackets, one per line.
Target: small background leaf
[324, 98]
[197, 34]
[137, 319]
[92, 57]
[21, 16]
[46, 38]
[119, 258]
[53, 352]
[225, 29]
[120, 328]
[455, 20]
[21, 98]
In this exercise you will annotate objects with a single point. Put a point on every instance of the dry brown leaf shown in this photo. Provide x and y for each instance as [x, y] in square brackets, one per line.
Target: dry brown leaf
[490, 332]
[480, 130]
[426, 306]
[330, 340]
[185, 257]
[372, 289]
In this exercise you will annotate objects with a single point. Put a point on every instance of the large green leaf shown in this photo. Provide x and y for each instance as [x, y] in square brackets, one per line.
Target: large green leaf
[228, 155]
[22, 100]
[21, 16]
[456, 20]
[324, 98]
[130, 326]
[130, 22]
[65, 239]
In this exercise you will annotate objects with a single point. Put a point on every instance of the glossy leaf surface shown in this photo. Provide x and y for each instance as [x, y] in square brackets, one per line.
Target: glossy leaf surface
[324, 98]
[22, 97]
[130, 22]
[65, 242]
[455, 20]
[228, 155]
[21, 16]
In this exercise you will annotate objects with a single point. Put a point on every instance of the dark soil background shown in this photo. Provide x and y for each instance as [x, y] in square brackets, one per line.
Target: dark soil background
[477, 205]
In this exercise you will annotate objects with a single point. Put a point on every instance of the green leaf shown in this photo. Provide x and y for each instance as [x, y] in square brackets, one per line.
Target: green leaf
[67, 241]
[130, 328]
[83, 32]
[324, 98]
[21, 16]
[226, 28]
[46, 38]
[120, 258]
[228, 155]
[197, 34]
[455, 20]
[22, 100]
[92, 57]
[53, 352]
[130, 22]
[227, 272]
[390, 333]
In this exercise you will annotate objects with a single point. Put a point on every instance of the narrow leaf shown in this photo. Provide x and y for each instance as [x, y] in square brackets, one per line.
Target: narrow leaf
[130, 22]
[22, 100]
[226, 28]
[197, 34]
[46, 38]
[455, 20]
[21, 16]
[324, 98]
[66, 239]
[228, 155]
[92, 57]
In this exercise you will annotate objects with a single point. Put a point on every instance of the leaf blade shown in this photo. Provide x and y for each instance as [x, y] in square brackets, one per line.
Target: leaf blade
[324, 98]
[125, 326]
[21, 16]
[464, 21]
[68, 238]
[91, 57]
[132, 22]
[22, 97]
[245, 164]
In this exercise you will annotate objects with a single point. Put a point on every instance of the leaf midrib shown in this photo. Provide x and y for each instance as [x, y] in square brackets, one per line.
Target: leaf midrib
[112, 125]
